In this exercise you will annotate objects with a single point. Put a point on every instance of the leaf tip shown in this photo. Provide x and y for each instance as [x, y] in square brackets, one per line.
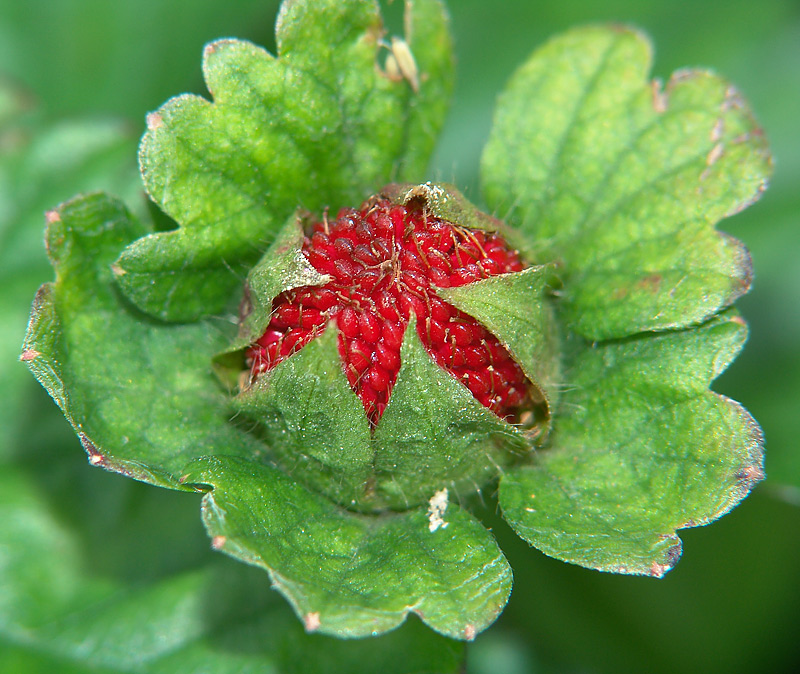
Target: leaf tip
[96, 458]
[470, 632]
[218, 542]
[312, 621]
[29, 354]
[154, 121]
[659, 97]
[658, 570]
[51, 217]
[750, 475]
[209, 50]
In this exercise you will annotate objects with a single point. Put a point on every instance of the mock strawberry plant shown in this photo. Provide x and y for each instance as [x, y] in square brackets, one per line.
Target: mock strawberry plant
[339, 352]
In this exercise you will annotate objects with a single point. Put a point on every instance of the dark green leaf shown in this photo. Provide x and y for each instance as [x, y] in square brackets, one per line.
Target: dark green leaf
[318, 126]
[42, 164]
[622, 182]
[351, 575]
[642, 448]
[64, 611]
[141, 395]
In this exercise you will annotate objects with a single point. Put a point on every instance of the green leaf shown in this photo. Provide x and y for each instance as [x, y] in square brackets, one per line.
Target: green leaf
[68, 607]
[435, 434]
[642, 449]
[141, 395]
[319, 126]
[351, 575]
[312, 420]
[622, 181]
[515, 309]
[41, 164]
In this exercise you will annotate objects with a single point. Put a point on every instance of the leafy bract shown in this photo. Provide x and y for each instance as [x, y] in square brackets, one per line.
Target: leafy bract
[516, 310]
[622, 181]
[281, 268]
[319, 126]
[351, 575]
[642, 448]
[141, 395]
[312, 420]
[435, 434]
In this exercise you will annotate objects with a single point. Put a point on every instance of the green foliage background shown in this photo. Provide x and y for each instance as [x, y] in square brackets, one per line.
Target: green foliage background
[733, 602]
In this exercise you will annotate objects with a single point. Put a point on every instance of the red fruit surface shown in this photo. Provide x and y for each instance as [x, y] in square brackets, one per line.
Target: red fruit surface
[385, 261]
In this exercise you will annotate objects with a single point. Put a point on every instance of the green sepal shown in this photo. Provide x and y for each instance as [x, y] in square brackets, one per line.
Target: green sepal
[312, 421]
[140, 395]
[622, 182]
[351, 575]
[515, 308]
[443, 201]
[642, 448]
[281, 268]
[435, 434]
[320, 125]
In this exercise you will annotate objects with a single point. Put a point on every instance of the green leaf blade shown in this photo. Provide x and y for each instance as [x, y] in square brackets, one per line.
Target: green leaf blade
[140, 395]
[66, 608]
[622, 182]
[320, 126]
[655, 452]
[352, 575]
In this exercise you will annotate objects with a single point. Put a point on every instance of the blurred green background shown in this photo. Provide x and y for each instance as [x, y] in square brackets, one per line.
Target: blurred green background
[76, 79]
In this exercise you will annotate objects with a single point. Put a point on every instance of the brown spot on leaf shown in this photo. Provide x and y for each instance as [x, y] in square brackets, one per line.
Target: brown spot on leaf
[717, 130]
[658, 570]
[750, 475]
[52, 216]
[469, 632]
[712, 158]
[217, 542]
[621, 293]
[650, 283]
[733, 99]
[29, 355]
[659, 97]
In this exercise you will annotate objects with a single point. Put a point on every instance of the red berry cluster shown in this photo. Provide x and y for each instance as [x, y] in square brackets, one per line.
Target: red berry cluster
[385, 262]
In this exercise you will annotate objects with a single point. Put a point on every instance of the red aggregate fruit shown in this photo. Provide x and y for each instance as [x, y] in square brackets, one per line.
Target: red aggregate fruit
[386, 261]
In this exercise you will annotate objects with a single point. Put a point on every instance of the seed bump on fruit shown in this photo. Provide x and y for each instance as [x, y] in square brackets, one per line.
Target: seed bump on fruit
[385, 262]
